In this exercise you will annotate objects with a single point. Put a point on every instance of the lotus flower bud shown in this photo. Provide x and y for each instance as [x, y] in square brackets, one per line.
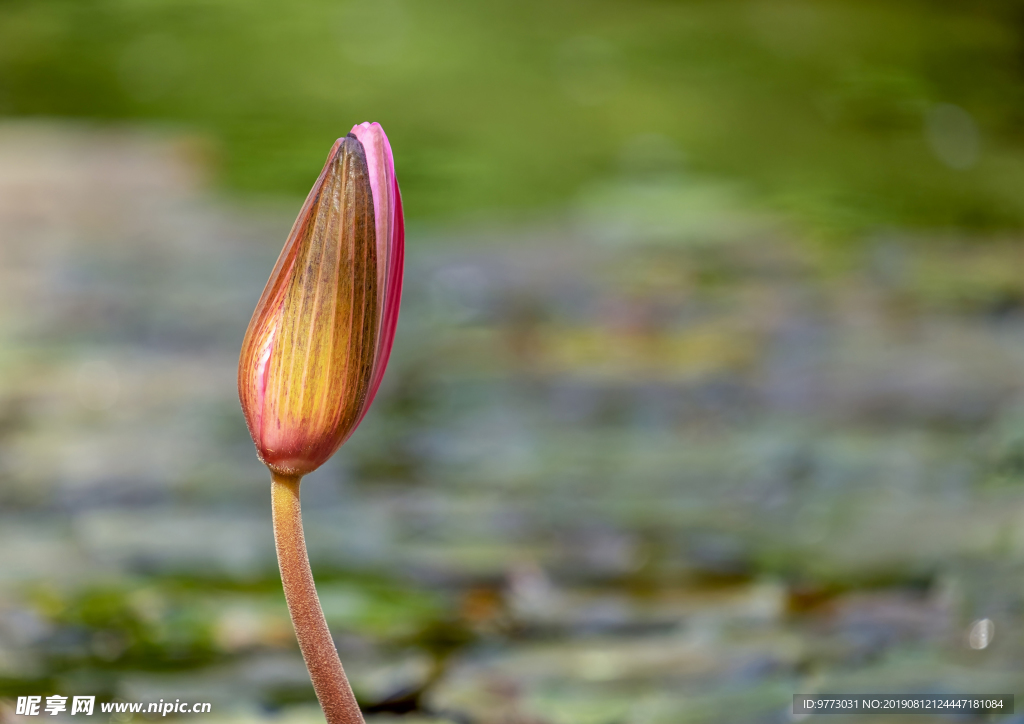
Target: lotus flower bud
[319, 340]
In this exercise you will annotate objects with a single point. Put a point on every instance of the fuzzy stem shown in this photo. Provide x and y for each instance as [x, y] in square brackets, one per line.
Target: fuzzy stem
[317, 646]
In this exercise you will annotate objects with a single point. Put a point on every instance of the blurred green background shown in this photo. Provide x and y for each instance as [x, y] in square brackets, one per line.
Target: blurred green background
[707, 389]
[847, 115]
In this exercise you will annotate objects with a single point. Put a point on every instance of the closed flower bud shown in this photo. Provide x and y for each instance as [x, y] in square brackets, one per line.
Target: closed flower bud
[317, 345]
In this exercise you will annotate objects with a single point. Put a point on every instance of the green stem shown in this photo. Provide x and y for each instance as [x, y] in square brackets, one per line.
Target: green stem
[315, 642]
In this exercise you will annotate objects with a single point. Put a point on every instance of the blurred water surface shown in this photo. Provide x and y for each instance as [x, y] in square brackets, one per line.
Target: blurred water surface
[657, 460]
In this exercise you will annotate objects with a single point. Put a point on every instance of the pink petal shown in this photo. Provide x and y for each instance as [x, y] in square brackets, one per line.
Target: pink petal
[390, 226]
[392, 302]
[382, 168]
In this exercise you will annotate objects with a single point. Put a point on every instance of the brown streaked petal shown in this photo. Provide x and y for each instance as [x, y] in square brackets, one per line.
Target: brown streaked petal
[308, 356]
